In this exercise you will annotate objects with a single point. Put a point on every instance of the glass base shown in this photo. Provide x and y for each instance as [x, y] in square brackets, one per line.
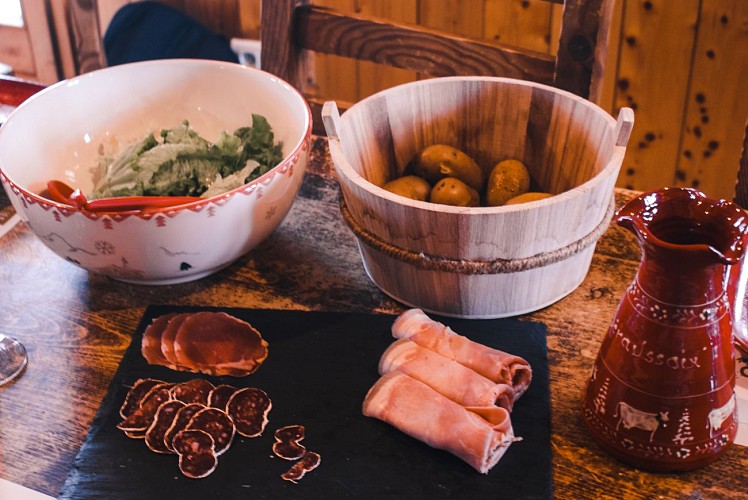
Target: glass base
[13, 359]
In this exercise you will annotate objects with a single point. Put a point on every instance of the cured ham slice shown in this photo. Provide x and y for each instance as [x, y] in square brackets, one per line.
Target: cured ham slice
[208, 342]
[479, 436]
[496, 365]
[219, 344]
[446, 376]
[167, 339]
[151, 345]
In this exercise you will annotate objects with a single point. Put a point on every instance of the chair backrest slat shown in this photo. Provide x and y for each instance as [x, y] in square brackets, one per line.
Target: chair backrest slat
[439, 53]
[292, 29]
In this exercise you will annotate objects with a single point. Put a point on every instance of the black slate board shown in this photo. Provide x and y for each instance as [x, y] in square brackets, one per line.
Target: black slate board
[319, 369]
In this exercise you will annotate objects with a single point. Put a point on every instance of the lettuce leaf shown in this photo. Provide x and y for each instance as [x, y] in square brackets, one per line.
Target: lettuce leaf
[182, 163]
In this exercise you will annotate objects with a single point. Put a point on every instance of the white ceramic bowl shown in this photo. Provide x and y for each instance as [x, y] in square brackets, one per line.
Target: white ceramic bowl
[56, 134]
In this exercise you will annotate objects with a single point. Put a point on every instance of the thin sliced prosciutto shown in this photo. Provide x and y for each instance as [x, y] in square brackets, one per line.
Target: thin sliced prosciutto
[494, 364]
[479, 436]
[217, 343]
[151, 345]
[446, 376]
[167, 340]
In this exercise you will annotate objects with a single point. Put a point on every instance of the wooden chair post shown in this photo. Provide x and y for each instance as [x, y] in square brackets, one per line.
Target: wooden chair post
[284, 58]
[582, 47]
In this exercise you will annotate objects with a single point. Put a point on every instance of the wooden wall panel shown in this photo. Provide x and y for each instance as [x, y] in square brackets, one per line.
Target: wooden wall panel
[463, 17]
[349, 80]
[373, 77]
[524, 23]
[654, 68]
[717, 103]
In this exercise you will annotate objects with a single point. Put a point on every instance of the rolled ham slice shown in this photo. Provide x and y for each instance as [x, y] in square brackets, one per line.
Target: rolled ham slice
[495, 365]
[480, 437]
[446, 376]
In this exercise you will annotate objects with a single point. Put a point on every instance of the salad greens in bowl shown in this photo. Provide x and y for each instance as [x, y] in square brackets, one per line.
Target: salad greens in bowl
[234, 137]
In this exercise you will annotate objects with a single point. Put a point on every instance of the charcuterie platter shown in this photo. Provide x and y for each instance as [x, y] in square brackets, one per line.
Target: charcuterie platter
[317, 372]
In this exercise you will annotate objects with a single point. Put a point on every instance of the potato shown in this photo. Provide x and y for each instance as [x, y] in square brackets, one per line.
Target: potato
[527, 197]
[410, 186]
[452, 191]
[509, 178]
[439, 161]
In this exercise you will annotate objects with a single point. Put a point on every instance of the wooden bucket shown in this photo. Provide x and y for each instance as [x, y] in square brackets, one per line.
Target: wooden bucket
[483, 262]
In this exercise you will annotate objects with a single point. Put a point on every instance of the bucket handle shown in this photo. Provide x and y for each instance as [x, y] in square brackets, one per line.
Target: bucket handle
[331, 119]
[624, 126]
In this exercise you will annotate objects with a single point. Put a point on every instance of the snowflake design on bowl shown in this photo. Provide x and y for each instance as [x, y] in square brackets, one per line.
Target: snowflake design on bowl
[104, 247]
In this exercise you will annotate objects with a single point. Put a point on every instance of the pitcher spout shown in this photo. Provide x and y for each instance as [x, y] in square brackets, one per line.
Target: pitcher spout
[685, 220]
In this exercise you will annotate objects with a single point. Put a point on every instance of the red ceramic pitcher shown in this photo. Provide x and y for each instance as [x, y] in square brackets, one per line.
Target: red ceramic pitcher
[661, 394]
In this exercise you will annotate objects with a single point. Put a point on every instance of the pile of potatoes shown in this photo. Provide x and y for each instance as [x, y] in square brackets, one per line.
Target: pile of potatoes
[444, 174]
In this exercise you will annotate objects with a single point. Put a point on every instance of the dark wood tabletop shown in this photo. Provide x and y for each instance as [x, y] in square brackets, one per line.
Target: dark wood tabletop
[76, 327]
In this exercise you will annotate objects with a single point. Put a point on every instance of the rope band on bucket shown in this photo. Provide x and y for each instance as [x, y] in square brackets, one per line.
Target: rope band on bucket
[462, 266]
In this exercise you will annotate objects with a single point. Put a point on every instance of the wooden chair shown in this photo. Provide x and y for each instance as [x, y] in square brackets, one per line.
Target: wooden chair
[291, 28]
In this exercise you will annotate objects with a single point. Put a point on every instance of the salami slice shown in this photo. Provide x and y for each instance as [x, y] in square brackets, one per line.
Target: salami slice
[151, 344]
[143, 416]
[220, 395]
[197, 457]
[135, 434]
[165, 415]
[183, 417]
[192, 391]
[287, 444]
[218, 424]
[135, 395]
[308, 462]
[249, 408]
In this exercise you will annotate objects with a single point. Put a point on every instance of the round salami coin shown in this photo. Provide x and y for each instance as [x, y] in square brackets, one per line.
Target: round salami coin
[154, 436]
[218, 424]
[183, 417]
[143, 416]
[197, 457]
[135, 395]
[195, 390]
[220, 395]
[308, 462]
[287, 444]
[249, 408]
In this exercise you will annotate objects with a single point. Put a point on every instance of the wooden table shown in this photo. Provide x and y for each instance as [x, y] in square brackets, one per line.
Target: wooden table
[77, 325]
